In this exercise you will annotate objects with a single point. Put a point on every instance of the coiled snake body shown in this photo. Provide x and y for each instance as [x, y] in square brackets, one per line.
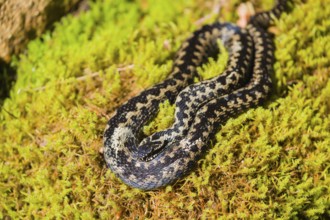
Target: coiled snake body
[201, 108]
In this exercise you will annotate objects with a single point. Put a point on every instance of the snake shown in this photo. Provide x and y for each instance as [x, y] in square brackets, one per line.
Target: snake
[155, 161]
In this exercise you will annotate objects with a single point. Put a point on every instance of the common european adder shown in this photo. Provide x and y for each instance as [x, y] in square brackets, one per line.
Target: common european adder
[200, 109]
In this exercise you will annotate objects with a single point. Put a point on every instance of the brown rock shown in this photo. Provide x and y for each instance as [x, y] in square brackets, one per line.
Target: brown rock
[23, 20]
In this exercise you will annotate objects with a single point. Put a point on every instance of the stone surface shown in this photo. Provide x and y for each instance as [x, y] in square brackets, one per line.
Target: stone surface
[23, 20]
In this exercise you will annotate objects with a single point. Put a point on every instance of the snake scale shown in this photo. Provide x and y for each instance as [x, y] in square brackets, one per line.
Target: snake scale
[162, 158]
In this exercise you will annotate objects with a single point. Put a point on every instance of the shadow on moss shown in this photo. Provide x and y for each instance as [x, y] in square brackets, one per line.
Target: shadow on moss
[7, 79]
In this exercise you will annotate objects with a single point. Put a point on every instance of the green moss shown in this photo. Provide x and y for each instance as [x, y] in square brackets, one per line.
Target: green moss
[163, 120]
[271, 162]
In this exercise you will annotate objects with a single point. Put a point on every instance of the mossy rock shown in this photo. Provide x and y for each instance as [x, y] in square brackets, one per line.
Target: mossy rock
[271, 162]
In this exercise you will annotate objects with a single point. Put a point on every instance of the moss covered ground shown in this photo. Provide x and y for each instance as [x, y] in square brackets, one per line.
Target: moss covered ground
[271, 162]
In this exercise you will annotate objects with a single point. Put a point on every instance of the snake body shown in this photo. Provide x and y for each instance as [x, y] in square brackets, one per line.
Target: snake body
[166, 156]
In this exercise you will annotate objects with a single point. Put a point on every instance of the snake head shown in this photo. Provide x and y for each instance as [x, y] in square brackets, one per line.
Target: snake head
[151, 146]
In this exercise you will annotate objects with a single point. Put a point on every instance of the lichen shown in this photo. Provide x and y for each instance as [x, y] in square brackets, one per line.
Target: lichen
[271, 162]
